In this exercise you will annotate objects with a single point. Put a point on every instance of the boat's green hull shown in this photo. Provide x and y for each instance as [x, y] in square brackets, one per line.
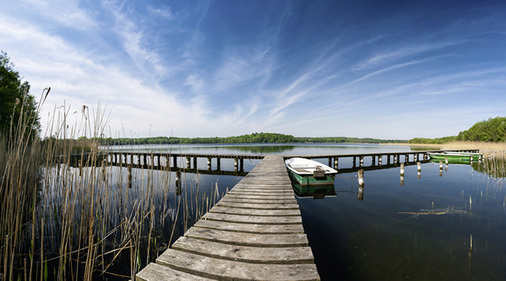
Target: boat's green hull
[463, 157]
[311, 180]
[315, 191]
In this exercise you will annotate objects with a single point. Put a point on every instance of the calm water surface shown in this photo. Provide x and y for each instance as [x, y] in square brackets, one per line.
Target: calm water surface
[433, 227]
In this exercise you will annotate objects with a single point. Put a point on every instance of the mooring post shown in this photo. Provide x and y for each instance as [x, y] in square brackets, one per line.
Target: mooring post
[360, 194]
[129, 169]
[360, 174]
[178, 183]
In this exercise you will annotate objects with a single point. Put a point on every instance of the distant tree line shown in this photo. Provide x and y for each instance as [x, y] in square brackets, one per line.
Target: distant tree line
[491, 130]
[251, 138]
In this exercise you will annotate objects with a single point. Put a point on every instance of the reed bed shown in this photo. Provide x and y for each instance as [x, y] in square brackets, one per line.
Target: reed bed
[487, 148]
[67, 214]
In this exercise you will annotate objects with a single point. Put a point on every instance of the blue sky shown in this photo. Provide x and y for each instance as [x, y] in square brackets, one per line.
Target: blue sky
[382, 69]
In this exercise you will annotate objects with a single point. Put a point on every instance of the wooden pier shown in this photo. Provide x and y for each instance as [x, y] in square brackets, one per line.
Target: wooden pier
[189, 162]
[254, 232]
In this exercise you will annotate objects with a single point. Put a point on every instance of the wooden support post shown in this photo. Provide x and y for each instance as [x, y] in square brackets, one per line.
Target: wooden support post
[195, 162]
[209, 163]
[415, 157]
[360, 195]
[336, 163]
[129, 169]
[373, 162]
[406, 158]
[360, 175]
[440, 168]
[380, 159]
[236, 163]
[419, 169]
[361, 161]
[188, 162]
[395, 159]
[402, 174]
[174, 161]
[218, 160]
[241, 164]
[178, 183]
[354, 161]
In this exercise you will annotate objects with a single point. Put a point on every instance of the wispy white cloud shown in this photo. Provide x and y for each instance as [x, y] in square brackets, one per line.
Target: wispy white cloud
[65, 12]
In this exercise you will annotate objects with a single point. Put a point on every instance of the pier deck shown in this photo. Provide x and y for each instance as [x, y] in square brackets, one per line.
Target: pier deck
[253, 233]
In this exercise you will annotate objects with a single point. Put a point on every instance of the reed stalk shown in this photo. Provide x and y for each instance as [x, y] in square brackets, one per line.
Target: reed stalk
[61, 203]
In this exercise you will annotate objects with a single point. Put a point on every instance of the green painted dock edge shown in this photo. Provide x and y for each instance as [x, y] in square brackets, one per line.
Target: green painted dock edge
[254, 232]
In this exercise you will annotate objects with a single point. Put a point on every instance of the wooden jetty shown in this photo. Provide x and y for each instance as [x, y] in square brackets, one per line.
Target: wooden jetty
[189, 162]
[253, 233]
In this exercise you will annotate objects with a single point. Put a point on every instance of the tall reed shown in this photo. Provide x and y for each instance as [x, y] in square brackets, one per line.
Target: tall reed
[66, 213]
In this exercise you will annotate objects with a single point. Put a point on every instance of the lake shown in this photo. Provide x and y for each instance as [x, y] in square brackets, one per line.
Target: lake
[428, 226]
[432, 227]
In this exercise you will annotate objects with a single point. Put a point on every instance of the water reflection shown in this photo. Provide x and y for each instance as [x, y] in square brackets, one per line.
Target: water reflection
[427, 228]
[315, 192]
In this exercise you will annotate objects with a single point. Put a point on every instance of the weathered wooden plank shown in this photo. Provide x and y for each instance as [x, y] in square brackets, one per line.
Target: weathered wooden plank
[265, 197]
[253, 219]
[281, 255]
[273, 206]
[252, 228]
[261, 192]
[248, 239]
[258, 201]
[267, 194]
[253, 212]
[234, 270]
[265, 187]
[157, 272]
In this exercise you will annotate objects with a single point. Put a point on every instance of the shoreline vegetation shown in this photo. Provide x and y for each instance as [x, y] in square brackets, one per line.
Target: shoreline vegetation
[243, 139]
[487, 131]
